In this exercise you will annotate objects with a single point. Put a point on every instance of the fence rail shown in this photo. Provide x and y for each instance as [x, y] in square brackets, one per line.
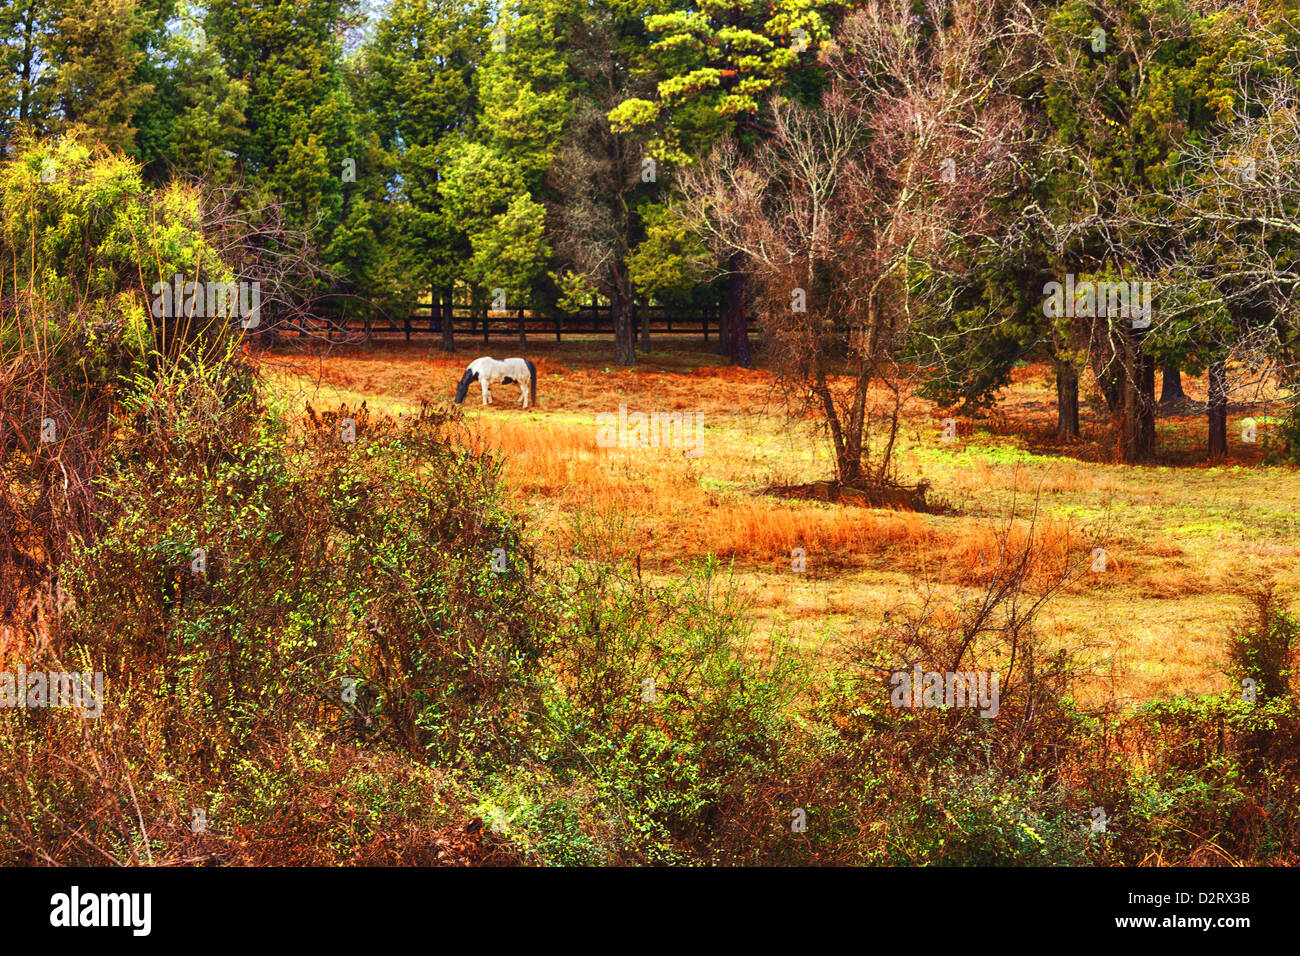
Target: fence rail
[590, 320]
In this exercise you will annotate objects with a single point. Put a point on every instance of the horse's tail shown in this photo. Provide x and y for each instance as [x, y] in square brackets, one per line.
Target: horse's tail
[532, 382]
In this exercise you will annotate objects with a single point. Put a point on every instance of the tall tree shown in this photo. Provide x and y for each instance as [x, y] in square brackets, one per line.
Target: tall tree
[95, 48]
[1236, 275]
[199, 107]
[417, 81]
[26, 94]
[495, 178]
[1128, 84]
[714, 61]
[300, 116]
[601, 177]
[843, 211]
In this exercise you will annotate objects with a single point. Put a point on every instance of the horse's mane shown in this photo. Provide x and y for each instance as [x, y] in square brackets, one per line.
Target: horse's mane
[466, 381]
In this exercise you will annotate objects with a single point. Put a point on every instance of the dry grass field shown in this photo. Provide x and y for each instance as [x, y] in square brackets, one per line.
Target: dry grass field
[1183, 541]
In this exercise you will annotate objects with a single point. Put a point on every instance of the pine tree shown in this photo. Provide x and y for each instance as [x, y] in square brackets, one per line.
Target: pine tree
[300, 116]
[95, 49]
[26, 95]
[494, 181]
[203, 107]
[715, 60]
[417, 82]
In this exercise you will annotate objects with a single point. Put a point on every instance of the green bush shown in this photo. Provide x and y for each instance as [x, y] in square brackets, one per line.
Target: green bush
[1263, 651]
[247, 571]
[665, 703]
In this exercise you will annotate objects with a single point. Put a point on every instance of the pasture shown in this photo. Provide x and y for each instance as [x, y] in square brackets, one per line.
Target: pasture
[1183, 542]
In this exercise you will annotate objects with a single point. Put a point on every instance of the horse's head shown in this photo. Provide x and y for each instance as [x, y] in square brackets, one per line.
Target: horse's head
[466, 380]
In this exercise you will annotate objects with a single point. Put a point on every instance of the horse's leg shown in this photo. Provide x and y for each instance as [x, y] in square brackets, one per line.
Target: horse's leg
[487, 392]
[523, 394]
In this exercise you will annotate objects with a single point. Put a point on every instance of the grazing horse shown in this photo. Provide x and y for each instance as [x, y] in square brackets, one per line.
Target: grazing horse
[489, 371]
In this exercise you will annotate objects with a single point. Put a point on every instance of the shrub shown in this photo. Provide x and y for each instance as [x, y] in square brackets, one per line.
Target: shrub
[1263, 651]
[252, 586]
[1215, 779]
[248, 570]
[82, 241]
[668, 706]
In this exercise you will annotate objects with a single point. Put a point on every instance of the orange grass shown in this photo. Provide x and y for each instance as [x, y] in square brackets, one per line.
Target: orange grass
[1179, 542]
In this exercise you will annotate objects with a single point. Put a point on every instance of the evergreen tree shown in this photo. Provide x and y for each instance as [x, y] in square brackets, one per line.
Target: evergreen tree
[495, 177]
[417, 82]
[95, 48]
[201, 106]
[300, 116]
[26, 93]
[715, 60]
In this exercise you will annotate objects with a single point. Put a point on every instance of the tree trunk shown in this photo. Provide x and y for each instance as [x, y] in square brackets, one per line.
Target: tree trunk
[850, 465]
[823, 393]
[620, 304]
[523, 337]
[25, 73]
[479, 310]
[737, 324]
[643, 319]
[724, 331]
[448, 321]
[1217, 410]
[1067, 400]
[1147, 406]
[1171, 385]
[1138, 422]
[1110, 383]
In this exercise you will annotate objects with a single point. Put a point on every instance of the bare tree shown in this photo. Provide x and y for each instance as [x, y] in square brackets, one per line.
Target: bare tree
[252, 236]
[843, 209]
[1232, 281]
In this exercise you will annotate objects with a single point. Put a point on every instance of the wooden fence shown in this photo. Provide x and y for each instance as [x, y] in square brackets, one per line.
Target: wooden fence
[590, 320]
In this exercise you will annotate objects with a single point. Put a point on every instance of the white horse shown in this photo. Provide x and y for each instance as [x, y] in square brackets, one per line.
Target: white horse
[489, 371]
